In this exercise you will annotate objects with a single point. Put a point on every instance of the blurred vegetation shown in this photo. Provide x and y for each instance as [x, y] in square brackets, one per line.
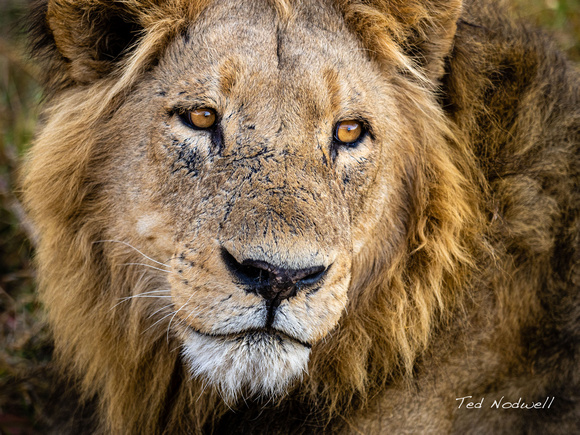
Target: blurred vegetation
[561, 18]
[24, 345]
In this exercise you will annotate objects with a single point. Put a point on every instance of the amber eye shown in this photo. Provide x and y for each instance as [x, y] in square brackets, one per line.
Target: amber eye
[348, 131]
[201, 118]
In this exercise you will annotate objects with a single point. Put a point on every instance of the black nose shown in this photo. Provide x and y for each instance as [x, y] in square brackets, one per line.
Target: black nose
[272, 282]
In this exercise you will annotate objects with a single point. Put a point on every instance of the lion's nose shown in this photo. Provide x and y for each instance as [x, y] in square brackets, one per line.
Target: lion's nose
[273, 282]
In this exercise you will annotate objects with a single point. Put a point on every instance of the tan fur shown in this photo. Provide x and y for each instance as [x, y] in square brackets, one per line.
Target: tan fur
[421, 228]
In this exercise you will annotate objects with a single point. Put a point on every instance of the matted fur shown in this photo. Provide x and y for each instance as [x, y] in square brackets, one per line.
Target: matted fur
[476, 257]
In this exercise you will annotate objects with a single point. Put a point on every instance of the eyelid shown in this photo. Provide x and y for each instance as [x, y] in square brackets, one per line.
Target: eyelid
[185, 104]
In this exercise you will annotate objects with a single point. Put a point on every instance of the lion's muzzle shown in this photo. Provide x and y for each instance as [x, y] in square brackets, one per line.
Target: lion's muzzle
[261, 273]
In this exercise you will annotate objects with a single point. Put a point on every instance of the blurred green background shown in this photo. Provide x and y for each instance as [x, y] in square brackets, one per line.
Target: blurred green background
[24, 347]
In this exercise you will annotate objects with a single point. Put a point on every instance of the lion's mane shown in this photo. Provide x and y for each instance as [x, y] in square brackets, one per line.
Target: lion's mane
[124, 356]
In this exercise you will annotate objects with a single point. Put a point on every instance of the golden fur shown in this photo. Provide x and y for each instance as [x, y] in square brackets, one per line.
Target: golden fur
[440, 238]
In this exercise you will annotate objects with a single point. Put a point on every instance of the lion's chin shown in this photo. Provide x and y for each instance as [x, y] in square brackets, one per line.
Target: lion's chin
[253, 364]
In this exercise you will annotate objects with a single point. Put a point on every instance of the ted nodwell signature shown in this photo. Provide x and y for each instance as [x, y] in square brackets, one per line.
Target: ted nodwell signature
[467, 402]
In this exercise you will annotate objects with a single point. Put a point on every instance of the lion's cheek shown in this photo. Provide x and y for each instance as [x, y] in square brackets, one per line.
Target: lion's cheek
[311, 317]
[212, 307]
[206, 314]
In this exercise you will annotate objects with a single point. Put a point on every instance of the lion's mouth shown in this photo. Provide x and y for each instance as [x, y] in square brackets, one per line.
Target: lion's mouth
[254, 335]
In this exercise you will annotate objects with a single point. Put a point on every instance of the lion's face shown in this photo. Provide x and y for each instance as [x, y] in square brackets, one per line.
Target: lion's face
[254, 191]
[260, 213]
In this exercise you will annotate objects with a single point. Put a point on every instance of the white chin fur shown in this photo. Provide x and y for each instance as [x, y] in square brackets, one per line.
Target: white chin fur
[257, 364]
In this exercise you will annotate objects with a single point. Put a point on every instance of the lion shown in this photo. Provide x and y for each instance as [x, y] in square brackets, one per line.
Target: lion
[308, 216]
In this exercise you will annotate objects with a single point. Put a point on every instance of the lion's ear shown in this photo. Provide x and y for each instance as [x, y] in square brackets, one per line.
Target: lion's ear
[92, 36]
[422, 29]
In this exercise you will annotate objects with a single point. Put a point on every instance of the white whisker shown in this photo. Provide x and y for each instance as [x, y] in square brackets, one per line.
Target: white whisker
[160, 320]
[147, 265]
[145, 296]
[176, 348]
[155, 291]
[191, 312]
[183, 306]
[139, 296]
[132, 247]
[160, 309]
[204, 385]
[169, 325]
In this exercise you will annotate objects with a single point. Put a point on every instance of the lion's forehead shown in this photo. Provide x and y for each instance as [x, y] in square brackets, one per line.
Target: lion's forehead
[272, 57]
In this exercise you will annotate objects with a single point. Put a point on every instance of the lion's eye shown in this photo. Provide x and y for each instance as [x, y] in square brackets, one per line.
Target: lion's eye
[348, 131]
[201, 118]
